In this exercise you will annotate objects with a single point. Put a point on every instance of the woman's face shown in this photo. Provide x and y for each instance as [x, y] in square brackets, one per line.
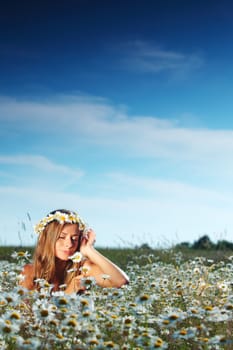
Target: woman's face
[67, 242]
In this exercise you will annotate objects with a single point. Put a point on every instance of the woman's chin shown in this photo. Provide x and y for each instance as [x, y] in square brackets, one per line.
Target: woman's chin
[62, 257]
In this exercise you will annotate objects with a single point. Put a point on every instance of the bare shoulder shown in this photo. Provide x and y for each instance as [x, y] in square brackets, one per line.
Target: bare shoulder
[28, 269]
[28, 276]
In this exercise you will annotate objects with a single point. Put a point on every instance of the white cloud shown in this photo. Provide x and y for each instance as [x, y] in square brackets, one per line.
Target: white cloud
[98, 119]
[153, 187]
[145, 57]
[28, 171]
[39, 162]
[133, 201]
[96, 123]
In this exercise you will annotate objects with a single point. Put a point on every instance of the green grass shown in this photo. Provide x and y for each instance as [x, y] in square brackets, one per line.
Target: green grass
[140, 255]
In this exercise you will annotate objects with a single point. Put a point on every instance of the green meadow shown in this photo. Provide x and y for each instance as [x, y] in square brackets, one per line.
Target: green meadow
[177, 298]
[122, 256]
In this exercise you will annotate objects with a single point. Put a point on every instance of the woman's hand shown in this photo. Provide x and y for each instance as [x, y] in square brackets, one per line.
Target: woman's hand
[75, 285]
[87, 242]
[99, 265]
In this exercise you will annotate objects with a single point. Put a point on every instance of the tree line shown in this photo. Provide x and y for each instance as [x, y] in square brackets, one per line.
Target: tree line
[205, 242]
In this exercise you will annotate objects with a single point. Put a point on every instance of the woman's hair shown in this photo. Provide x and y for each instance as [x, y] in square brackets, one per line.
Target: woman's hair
[44, 256]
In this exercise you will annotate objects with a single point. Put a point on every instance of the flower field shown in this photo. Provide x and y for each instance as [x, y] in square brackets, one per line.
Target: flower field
[180, 304]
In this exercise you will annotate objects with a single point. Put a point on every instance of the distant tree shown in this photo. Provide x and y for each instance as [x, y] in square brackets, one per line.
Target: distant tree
[144, 246]
[183, 245]
[224, 245]
[203, 243]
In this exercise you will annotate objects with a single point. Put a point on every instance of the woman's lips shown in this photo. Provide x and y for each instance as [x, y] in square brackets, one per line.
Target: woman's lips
[68, 252]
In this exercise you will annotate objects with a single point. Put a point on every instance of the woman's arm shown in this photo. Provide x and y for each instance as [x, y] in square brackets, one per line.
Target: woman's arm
[105, 272]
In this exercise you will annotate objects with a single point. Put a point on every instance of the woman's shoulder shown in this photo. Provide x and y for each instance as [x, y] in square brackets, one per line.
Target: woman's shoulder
[27, 276]
[28, 269]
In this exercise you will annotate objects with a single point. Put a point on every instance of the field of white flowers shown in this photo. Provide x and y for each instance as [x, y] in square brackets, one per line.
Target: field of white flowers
[177, 305]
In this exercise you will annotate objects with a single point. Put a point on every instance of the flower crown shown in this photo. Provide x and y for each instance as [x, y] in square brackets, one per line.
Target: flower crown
[62, 218]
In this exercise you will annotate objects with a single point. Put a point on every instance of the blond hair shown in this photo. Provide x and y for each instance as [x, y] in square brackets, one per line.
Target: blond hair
[44, 259]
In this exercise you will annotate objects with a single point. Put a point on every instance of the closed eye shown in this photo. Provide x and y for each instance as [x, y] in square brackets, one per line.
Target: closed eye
[74, 238]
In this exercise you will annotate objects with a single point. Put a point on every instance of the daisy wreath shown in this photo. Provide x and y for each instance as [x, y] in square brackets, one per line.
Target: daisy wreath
[62, 218]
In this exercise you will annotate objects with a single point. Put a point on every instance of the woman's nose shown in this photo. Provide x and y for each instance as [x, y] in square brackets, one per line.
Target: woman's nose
[68, 242]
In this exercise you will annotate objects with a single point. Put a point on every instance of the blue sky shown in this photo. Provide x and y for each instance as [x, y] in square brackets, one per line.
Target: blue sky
[121, 110]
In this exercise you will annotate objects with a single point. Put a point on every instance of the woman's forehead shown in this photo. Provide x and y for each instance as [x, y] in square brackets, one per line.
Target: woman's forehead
[70, 229]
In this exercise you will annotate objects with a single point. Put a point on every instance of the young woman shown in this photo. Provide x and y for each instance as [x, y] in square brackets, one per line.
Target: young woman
[65, 254]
